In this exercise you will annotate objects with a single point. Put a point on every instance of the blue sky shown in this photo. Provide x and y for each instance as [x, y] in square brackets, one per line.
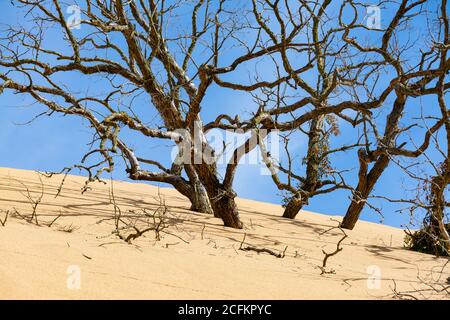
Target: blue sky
[52, 143]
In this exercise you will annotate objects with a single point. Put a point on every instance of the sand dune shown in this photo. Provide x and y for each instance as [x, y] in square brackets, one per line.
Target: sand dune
[197, 258]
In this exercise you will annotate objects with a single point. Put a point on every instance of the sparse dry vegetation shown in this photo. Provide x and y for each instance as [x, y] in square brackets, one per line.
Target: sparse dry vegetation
[311, 73]
[33, 200]
[321, 77]
[135, 223]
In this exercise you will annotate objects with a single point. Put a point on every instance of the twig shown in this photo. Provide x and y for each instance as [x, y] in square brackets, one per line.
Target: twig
[262, 250]
[328, 255]
[54, 220]
[3, 222]
[400, 295]
[33, 202]
[155, 220]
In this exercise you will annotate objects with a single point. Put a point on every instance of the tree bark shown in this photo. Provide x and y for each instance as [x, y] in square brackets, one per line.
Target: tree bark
[308, 188]
[221, 198]
[353, 212]
[199, 201]
[365, 186]
[437, 225]
[223, 204]
[293, 207]
[199, 197]
[196, 195]
[225, 207]
[221, 195]
[366, 182]
[440, 182]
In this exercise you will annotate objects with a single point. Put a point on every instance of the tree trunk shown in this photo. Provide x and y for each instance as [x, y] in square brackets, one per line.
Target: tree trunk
[437, 225]
[191, 189]
[221, 199]
[440, 182]
[293, 207]
[225, 207]
[199, 197]
[199, 201]
[366, 182]
[353, 213]
[196, 195]
[365, 186]
[316, 139]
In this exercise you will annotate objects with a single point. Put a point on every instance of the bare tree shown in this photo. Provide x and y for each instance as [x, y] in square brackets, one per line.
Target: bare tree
[432, 192]
[90, 57]
[416, 80]
[441, 180]
[428, 164]
[139, 66]
[131, 50]
[436, 186]
[319, 176]
[331, 68]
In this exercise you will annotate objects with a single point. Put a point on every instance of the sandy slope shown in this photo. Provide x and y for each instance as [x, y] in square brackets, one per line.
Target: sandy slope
[34, 260]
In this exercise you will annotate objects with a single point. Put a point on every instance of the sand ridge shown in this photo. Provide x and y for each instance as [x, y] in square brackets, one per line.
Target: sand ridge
[197, 258]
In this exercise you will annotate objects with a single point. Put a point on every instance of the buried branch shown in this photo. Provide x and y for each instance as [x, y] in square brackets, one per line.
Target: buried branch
[329, 255]
[401, 295]
[3, 221]
[432, 289]
[261, 250]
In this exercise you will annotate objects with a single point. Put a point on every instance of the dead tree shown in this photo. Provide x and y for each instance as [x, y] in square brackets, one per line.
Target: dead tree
[434, 170]
[136, 223]
[414, 83]
[436, 184]
[319, 177]
[138, 63]
[329, 64]
[132, 64]
[128, 49]
[441, 180]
